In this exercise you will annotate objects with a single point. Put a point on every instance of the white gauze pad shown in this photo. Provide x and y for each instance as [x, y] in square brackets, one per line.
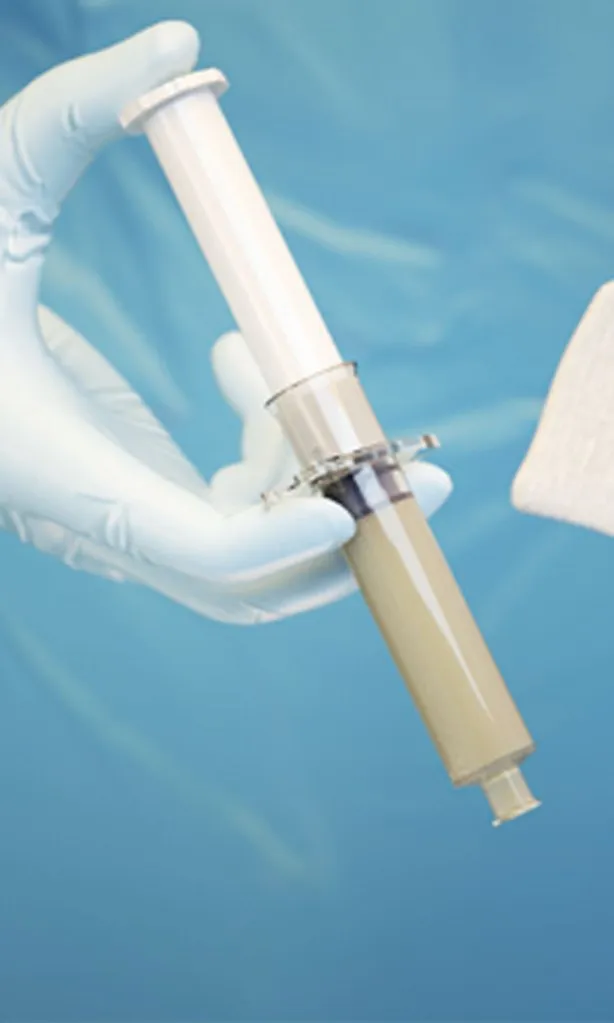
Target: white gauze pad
[568, 471]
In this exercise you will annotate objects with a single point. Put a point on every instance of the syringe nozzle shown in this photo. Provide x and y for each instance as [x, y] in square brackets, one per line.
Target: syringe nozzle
[508, 794]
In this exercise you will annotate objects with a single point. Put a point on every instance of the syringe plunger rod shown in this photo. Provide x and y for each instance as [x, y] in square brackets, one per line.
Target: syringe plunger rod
[325, 414]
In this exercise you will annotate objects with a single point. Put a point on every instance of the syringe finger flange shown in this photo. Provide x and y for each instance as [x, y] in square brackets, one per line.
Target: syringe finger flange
[392, 456]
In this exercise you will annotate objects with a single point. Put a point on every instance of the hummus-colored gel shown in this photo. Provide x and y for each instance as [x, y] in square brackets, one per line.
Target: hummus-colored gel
[441, 654]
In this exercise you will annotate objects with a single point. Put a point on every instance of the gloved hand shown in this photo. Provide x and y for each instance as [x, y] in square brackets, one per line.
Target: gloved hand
[86, 472]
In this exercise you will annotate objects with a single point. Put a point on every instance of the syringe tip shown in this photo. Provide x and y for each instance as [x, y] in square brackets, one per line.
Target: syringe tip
[509, 795]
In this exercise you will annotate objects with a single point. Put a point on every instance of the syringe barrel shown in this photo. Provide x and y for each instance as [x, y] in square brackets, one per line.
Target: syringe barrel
[327, 418]
[234, 227]
[410, 589]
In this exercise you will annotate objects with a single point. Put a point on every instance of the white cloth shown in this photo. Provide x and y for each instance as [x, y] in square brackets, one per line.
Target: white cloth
[568, 471]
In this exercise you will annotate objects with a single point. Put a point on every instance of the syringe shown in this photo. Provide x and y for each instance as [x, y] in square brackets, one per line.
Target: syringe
[340, 444]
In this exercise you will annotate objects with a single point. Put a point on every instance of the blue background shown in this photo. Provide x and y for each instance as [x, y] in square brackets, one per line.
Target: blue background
[204, 823]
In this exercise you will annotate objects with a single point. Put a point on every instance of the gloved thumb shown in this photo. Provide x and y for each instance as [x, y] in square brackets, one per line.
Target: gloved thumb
[165, 525]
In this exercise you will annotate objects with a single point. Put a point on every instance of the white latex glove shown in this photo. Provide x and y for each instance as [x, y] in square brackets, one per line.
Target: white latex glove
[86, 472]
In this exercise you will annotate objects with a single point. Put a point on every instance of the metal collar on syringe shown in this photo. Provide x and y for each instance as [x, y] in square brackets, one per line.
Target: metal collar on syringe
[395, 454]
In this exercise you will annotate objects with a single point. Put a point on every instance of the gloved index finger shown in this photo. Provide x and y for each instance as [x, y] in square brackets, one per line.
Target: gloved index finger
[50, 131]
[266, 455]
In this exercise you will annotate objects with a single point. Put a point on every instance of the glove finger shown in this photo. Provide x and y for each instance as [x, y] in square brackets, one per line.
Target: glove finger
[57, 123]
[237, 375]
[172, 528]
[430, 485]
[119, 409]
[266, 455]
